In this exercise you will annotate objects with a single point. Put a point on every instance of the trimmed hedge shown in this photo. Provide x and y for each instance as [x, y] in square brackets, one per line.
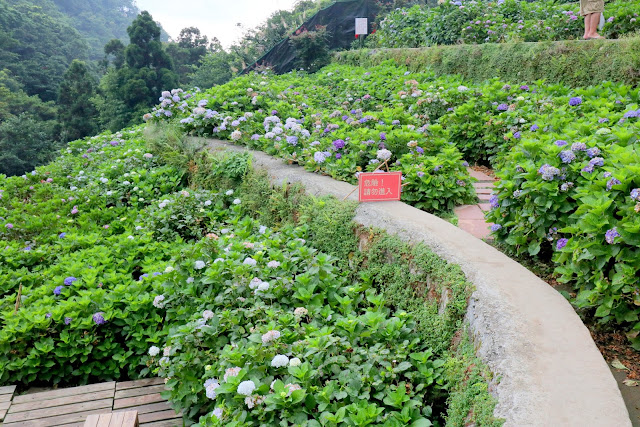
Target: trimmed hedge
[573, 63]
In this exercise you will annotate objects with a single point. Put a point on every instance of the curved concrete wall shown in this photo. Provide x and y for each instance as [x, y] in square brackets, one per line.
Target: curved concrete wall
[550, 371]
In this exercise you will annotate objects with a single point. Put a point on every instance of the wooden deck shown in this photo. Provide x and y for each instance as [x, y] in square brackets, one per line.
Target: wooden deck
[71, 406]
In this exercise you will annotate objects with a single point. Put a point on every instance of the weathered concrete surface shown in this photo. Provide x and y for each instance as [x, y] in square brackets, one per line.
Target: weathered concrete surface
[551, 373]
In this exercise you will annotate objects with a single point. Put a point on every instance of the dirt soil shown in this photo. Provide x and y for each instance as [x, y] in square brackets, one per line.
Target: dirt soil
[484, 169]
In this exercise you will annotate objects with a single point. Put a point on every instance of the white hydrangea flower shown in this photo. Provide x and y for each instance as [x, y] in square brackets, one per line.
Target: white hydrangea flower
[237, 201]
[217, 413]
[207, 314]
[295, 362]
[210, 387]
[270, 336]
[273, 264]
[250, 261]
[199, 265]
[217, 260]
[158, 301]
[164, 361]
[207, 203]
[231, 372]
[300, 312]
[262, 229]
[154, 351]
[229, 192]
[236, 135]
[262, 287]
[166, 351]
[245, 388]
[279, 361]
[291, 388]
[190, 280]
[169, 269]
[383, 154]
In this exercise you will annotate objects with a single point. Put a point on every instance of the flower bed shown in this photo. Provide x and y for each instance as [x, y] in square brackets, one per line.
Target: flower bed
[124, 273]
[473, 22]
[340, 122]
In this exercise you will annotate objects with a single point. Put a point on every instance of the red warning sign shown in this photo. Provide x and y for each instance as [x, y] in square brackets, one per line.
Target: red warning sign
[379, 186]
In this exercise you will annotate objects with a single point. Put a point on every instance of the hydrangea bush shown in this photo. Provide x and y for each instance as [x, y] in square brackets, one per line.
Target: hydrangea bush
[456, 21]
[340, 122]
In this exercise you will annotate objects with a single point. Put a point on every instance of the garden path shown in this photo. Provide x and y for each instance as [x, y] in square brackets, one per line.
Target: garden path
[71, 406]
[471, 217]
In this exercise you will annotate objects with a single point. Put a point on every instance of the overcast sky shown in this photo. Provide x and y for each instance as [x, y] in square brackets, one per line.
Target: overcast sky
[214, 18]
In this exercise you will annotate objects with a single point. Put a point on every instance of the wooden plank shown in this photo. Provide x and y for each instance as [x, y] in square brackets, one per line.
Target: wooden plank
[116, 419]
[60, 410]
[8, 389]
[164, 423]
[135, 401]
[5, 405]
[153, 407]
[158, 416]
[92, 420]
[61, 401]
[104, 420]
[139, 383]
[3, 412]
[130, 419]
[71, 425]
[73, 391]
[5, 397]
[78, 417]
[132, 392]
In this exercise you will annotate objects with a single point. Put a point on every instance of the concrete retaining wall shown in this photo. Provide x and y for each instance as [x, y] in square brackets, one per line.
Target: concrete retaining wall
[551, 373]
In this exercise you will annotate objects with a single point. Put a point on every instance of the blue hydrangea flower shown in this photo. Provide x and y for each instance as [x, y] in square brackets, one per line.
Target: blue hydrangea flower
[496, 227]
[57, 290]
[67, 320]
[561, 243]
[339, 144]
[548, 172]
[503, 107]
[534, 128]
[561, 143]
[319, 157]
[610, 235]
[596, 161]
[69, 281]
[578, 146]
[603, 120]
[632, 114]
[99, 319]
[593, 152]
[420, 150]
[612, 182]
[635, 194]
[292, 140]
[567, 156]
[383, 136]
[494, 201]
[517, 135]
[575, 101]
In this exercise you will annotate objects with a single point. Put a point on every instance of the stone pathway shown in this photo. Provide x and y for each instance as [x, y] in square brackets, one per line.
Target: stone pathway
[471, 217]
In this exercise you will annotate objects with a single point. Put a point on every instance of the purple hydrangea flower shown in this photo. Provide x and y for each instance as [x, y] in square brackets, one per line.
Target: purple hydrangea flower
[420, 150]
[635, 194]
[561, 243]
[596, 161]
[496, 227]
[534, 128]
[612, 182]
[603, 120]
[67, 320]
[465, 164]
[9, 226]
[395, 122]
[578, 146]
[99, 319]
[567, 156]
[632, 114]
[548, 172]
[345, 117]
[561, 143]
[383, 136]
[494, 201]
[420, 174]
[575, 101]
[592, 152]
[338, 156]
[339, 144]
[588, 168]
[292, 140]
[607, 174]
[57, 290]
[437, 168]
[69, 280]
[517, 135]
[524, 87]
[48, 315]
[503, 107]
[610, 235]
[62, 235]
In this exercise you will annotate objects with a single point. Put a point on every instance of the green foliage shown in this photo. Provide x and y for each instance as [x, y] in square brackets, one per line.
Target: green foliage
[215, 69]
[469, 397]
[25, 142]
[573, 63]
[38, 66]
[76, 113]
[188, 51]
[489, 22]
[341, 121]
[311, 48]
[130, 89]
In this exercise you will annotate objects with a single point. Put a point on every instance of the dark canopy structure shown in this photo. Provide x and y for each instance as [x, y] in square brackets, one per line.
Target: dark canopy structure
[339, 20]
